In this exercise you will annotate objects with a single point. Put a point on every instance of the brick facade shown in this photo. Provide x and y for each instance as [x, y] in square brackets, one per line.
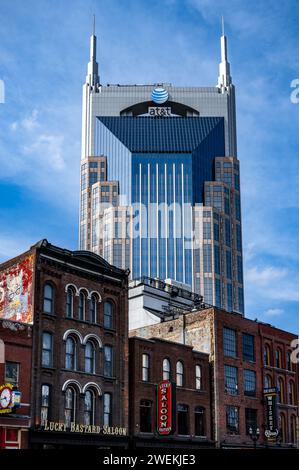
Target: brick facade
[157, 350]
[204, 330]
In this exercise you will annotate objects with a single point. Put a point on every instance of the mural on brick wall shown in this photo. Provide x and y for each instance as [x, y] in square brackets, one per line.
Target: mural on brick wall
[16, 292]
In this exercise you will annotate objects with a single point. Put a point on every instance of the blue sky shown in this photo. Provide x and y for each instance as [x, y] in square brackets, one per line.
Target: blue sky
[44, 53]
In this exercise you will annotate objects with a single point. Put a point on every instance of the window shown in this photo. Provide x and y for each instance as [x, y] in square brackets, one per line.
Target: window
[229, 294]
[278, 358]
[108, 361]
[166, 369]
[283, 428]
[89, 357]
[69, 406]
[12, 372]
[198, 384]
[107, 409]
[267, 355]
[179, 374]
[216, 259]
[108, 315]
[145, 367]
[293, 430]
[207, 230]
[250, 419]
[89, 407]
[280, 390]
[228, 264]
[93, 309]
[48, 298]
[249, 383]
[47, 349]
[291, 393]
[232, 419]
[82, 304]
[183, 420]
[145, 416]
[199, 425]
[289, 360]
[207, 258]
[70, 353]
[229, 342]
[248, 347]
[267, 381]
[45, 404]
[69, 302]
[231, 380]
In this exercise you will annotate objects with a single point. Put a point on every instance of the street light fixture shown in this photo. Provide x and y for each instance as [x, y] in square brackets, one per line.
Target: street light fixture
[254, 435]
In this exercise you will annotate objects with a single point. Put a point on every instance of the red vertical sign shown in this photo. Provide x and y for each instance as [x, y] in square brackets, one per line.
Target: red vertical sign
[165, 397]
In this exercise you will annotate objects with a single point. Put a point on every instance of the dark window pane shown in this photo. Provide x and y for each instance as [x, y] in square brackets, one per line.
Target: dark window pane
[229, 342]
[145, 416]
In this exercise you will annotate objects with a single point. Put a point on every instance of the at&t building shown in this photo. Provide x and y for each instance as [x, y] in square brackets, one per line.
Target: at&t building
[160, 182]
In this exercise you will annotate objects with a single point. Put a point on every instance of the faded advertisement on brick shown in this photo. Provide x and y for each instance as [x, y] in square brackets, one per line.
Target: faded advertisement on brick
[16, 292]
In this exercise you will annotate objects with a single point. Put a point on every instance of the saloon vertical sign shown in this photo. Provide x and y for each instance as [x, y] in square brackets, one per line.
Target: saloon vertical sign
[166, 408]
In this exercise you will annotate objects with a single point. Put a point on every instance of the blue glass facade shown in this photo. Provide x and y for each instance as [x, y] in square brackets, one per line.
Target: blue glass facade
[161, 165]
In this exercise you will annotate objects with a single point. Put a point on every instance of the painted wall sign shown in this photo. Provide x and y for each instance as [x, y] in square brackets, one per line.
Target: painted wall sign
[16, 292]
[166, 408]
[55, 426]
[270, 396]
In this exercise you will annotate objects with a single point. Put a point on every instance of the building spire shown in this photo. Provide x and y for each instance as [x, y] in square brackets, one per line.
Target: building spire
[224, 79]
[92, 77]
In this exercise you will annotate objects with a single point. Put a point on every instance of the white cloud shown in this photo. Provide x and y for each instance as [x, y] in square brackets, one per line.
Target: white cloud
[274, 312]
[48, 149]
[265, 275]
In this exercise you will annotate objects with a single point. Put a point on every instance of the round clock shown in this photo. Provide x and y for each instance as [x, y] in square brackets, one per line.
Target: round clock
[5, 397]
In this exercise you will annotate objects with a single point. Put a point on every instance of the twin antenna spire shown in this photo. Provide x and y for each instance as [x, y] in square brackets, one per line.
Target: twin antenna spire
[224, 79]
[93, 79]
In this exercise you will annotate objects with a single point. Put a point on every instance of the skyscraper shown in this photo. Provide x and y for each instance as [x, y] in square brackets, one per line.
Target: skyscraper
[160, 182]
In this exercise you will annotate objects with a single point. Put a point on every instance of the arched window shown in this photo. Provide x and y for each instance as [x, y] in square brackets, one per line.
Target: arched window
[289, 361]
[278, 358]
[93, 308]
[89, 408]
[82, 306]
[199, 421]
[291, 393]
[280, 390]
[166, 369]
[179, 374]
[293, 430]
[267, 355]
[108, 314]
[146, 416]
[48, 298]
[69, 303]
[198, 383]
[70, 406]
[90, 357]
[267, 381]
[70, 353]
[283, 428]
[45, 404]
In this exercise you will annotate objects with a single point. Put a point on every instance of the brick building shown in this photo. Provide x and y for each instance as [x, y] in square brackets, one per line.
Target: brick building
[152, 361]
[246, 356]
[77, 307]
[15, 369]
